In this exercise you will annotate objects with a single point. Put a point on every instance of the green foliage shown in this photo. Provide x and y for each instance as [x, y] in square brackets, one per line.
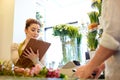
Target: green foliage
[65, 30]
[92, 41]
[43, 72]
[97, 4]
[79, 36]
[63, 76]
[93, 17]
[6, 68]
[38, 16]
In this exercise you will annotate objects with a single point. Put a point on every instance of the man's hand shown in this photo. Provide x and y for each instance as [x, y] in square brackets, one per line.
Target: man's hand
[84, 72]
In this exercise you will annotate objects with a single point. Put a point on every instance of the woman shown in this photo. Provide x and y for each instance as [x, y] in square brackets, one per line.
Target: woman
[32, 30]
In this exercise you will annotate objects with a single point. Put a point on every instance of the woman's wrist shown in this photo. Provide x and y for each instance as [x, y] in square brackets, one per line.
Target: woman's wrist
[35, 61]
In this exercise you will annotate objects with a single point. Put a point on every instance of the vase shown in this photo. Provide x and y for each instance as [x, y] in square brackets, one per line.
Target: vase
[78, 53]
[68, 49]
[92, 53]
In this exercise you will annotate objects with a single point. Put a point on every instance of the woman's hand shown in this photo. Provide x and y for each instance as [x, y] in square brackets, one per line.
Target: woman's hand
[19, 71]
[34, 57]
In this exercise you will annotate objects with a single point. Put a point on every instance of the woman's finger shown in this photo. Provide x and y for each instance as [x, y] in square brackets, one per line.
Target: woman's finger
[26, 50]
[26, 55]
[38, 53]
[31, 50]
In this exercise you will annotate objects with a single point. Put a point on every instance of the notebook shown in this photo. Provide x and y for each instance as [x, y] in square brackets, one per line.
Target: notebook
[42, 46]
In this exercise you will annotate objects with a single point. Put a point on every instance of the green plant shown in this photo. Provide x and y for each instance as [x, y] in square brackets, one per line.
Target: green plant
[38, 16]
[92, 40]
[65, 31]
[97, 4]
[78, 46]
[93, 27]
[93, 16]
[6, 68]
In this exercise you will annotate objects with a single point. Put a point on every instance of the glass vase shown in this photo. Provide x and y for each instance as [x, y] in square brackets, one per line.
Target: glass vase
[68, 49]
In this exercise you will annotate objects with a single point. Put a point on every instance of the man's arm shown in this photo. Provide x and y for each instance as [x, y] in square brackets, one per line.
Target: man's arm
[101, 55]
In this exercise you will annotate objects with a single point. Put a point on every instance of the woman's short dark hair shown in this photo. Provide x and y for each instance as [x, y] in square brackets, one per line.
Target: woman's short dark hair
[32, 21]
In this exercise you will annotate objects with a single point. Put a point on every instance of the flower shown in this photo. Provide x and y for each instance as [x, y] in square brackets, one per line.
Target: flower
[93, 26]
[97, 4]
[97, 1]
[36, 71]
[65, 30]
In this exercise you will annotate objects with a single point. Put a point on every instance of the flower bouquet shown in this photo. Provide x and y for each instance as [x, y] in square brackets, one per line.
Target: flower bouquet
[7, 69]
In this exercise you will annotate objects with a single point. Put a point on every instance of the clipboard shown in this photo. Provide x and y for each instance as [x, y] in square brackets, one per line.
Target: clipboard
[40, 45]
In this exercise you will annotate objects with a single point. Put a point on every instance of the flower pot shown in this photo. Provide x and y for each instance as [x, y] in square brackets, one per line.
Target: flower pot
[92, 53]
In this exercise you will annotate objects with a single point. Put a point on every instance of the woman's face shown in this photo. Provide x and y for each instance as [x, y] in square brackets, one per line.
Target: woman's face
[32, 31]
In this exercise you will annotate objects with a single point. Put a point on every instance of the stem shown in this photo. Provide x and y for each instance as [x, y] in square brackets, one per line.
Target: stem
[63, 39]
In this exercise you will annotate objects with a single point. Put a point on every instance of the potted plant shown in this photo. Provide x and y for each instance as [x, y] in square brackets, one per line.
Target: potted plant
[92, 36]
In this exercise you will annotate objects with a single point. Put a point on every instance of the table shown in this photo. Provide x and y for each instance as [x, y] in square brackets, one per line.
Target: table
[28, 78]
[36, 78]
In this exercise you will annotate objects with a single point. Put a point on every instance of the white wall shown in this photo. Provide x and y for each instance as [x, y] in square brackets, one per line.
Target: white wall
[24, 9]
[13, 14]
[6, 27]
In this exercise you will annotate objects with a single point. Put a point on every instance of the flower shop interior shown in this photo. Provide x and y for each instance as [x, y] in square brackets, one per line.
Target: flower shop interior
[67, 24]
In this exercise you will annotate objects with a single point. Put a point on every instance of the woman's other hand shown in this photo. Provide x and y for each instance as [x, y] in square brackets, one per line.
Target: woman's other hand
[18, 70]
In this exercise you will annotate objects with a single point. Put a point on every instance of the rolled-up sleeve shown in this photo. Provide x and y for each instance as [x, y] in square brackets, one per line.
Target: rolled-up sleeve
[109, 42]
[111, 25]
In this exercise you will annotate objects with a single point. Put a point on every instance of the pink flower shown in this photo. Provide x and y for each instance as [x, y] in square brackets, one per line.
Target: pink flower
[37, 69]
[32, 71]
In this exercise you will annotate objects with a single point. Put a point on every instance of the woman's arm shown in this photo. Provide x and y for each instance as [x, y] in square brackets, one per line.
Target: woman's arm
[14, 53]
